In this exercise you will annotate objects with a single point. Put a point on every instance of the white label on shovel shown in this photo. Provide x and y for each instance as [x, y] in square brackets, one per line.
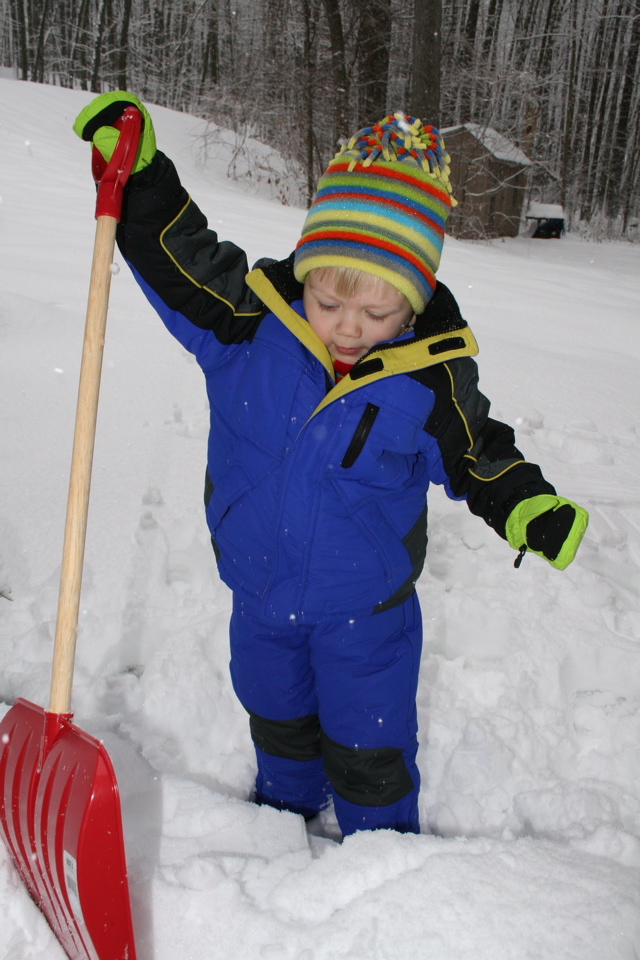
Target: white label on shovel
[71, 880]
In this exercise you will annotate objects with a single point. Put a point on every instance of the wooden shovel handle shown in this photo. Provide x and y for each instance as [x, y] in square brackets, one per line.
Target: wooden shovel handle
[110, 180]
[81, 463]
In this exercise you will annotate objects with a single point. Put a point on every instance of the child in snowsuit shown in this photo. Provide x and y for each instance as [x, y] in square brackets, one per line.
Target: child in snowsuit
[341, 385]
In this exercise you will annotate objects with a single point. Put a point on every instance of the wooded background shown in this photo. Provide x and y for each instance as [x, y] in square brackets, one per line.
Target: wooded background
[559, 78]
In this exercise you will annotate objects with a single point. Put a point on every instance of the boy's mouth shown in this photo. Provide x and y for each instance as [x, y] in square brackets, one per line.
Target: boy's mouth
[348, 351]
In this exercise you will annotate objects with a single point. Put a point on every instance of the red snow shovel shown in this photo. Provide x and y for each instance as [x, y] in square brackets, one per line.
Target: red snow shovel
[59, 801]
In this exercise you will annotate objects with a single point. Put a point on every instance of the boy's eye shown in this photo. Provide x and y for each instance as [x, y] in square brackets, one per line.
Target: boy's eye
[327, 306]
[375, 316]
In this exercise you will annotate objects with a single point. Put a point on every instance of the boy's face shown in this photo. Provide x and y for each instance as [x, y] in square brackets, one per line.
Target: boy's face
[350, 326]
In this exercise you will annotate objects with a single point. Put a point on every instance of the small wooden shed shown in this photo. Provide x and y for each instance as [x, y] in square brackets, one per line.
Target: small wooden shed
[488, 174]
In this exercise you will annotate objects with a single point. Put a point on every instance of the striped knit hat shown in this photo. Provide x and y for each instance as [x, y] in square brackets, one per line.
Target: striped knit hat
[381, 207]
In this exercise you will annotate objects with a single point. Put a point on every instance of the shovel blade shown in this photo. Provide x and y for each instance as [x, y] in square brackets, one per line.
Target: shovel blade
[61, 820]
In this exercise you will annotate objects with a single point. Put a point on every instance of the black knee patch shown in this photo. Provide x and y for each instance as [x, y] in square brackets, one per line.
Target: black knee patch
[372, 778]
[297, 739]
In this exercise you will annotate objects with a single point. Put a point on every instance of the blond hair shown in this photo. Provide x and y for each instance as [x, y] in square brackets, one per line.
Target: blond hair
[349, 281]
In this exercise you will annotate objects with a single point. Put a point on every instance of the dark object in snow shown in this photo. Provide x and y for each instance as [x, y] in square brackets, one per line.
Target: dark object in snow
[549, 229]
[550, 220]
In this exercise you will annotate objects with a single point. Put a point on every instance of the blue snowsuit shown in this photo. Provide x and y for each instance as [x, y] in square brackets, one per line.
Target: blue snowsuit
[316, 502]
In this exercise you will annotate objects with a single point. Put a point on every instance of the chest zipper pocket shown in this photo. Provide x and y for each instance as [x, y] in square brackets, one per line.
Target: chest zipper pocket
[360, 435]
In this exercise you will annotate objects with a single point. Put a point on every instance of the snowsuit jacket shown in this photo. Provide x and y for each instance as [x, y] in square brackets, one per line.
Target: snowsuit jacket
[316, 490]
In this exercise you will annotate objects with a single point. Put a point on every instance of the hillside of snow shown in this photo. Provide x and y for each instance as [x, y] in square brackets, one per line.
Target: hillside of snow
[529, 700]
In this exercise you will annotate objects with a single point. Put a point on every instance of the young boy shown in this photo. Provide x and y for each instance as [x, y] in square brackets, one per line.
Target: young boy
[341, 385]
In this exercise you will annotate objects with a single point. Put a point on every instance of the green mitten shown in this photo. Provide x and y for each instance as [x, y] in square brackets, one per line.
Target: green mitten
[550, 526]
[94, 123]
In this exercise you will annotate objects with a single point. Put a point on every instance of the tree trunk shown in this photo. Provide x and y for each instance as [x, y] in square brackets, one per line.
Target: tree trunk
[79, 58]
[625, 146]
[596, 79]
[338, 69]
[37, 73]
[425, 72]
[308, 101]
[210, 58]
[94, 83]
[493, 22]
[604, 120]
[372, 50]
[20, 21]
[570, 105]
[124, 45]
[470, 31]
[554, 12]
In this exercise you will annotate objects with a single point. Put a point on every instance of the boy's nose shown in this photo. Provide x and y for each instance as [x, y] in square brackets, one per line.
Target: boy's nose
[349, 325]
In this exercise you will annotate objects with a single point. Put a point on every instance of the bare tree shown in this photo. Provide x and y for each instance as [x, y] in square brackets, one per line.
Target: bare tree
[373, 38]
[338, 68]
[425, 72]
[20, 24]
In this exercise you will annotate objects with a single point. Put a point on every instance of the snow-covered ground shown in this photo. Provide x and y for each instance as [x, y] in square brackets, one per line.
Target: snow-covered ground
[529, 699]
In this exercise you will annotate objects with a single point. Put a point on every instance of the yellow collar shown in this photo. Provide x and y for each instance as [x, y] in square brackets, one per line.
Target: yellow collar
[386, 360]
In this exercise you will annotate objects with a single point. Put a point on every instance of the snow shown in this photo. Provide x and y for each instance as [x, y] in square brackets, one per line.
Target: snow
[495, 143]
[545, 211]
[529, 702]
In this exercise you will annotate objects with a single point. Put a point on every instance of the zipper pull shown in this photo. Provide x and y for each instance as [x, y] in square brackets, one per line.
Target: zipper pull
[518, 560]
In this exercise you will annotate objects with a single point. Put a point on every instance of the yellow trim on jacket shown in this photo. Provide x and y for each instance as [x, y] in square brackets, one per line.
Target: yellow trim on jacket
[185, 273]
[407, 356]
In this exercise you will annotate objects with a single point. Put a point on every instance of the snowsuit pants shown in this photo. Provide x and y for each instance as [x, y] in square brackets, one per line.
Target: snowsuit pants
[332, 712]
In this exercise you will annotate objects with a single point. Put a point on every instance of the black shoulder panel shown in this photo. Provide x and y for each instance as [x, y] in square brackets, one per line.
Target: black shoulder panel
[478, 453]
[280, 274]
[458, 415]
[441, 315]
[165, 237]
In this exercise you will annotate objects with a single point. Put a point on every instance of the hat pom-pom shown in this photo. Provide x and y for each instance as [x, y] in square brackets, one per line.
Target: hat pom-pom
[403, 139]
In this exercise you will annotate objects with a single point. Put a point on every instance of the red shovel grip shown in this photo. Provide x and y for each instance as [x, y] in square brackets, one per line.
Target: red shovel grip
[112, 176]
